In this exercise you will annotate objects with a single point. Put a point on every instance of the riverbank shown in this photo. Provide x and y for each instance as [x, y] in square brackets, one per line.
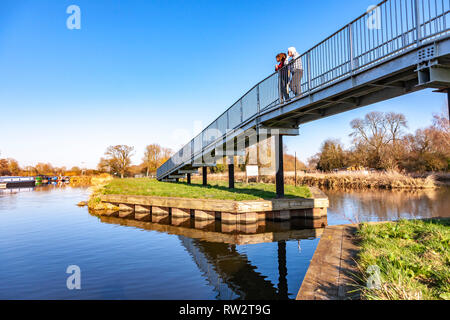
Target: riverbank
[214, 190]
[412, 256]
[143, 199]
[96, 186]
[408, 259]
[348, 180]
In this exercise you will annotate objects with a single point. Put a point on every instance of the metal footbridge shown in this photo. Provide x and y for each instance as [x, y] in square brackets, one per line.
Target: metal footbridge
[397, 47]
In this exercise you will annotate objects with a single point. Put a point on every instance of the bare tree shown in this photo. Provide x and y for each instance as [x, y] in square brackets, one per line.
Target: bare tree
[103, 165]
[376, 132]
[394, 123]
[152, 158]
[119, 158]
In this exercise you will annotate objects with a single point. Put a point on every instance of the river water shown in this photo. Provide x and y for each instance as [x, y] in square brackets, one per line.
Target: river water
[42, 232]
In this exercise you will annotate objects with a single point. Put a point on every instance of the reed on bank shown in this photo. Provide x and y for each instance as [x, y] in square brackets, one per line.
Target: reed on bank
[347, 180]
[91, 180]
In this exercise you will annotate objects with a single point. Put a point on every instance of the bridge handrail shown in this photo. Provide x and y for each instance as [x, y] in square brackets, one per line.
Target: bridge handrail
[352, 49]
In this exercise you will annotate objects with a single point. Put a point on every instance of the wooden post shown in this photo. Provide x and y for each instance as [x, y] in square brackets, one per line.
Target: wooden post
[188, 178]
[231, 173]
[205, 175]
[279, 178]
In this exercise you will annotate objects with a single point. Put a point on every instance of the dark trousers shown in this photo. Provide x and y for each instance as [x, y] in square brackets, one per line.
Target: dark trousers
[284, 80]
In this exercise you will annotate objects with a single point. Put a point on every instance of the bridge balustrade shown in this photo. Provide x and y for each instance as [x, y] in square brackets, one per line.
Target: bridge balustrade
[387, 30]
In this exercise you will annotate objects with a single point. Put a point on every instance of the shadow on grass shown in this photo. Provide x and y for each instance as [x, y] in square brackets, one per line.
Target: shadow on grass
[264, 194]
[442, 221]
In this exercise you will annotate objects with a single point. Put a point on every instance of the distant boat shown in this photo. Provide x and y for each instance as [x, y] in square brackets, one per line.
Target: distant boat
[15, 182]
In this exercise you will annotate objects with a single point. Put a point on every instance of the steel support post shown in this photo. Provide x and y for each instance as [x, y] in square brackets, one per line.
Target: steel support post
[205, 175]
[231, 173]
[279, 179]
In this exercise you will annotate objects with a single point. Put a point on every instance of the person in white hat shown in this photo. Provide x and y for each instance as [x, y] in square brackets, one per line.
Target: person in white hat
[296, 69]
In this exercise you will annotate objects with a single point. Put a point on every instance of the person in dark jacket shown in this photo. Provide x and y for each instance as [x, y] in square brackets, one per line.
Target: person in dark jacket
[283, 76]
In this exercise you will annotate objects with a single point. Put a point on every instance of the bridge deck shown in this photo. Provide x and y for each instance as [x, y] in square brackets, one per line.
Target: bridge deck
[401, 46]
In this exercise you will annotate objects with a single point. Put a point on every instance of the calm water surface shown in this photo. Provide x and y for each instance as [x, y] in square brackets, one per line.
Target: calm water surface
[42, 232]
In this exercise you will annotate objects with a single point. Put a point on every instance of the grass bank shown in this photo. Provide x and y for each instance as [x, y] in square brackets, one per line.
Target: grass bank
[413, 258]
[215, 190]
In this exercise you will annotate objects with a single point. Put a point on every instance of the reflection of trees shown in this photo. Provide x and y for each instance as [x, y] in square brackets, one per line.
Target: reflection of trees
[379, 205]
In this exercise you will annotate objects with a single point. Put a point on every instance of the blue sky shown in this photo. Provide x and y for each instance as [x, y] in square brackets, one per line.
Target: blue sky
[141, 72]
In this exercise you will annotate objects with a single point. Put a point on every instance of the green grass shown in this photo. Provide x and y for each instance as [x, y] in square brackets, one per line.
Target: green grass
[413, 257]
[215, 190]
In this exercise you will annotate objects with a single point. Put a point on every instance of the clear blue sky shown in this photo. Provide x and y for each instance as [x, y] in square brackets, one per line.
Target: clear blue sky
[141, 72]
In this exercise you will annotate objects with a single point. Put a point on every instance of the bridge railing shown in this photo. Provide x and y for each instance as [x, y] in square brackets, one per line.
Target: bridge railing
[388, 29]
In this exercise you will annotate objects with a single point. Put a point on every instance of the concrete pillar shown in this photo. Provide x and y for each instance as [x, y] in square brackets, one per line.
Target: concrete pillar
[160, 218]
[261, 225]
[142, 216]
[180, 221]
[181, 213]
[240, 218]
[228, 227]
[142, 209]
[160, 211]
[279, 178]
[282, 215]
[114, 214]
[205, 175]
[247, 228]
[204, 215]
[126, 214]
[208, 225]
[126, 207]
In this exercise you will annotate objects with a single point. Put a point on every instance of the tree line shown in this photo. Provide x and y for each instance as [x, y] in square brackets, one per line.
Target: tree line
[117, 160]
[11, 167]
[379, 141]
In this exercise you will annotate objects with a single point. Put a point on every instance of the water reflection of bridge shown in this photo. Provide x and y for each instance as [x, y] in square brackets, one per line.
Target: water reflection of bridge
[232, 275]
[229, 272]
